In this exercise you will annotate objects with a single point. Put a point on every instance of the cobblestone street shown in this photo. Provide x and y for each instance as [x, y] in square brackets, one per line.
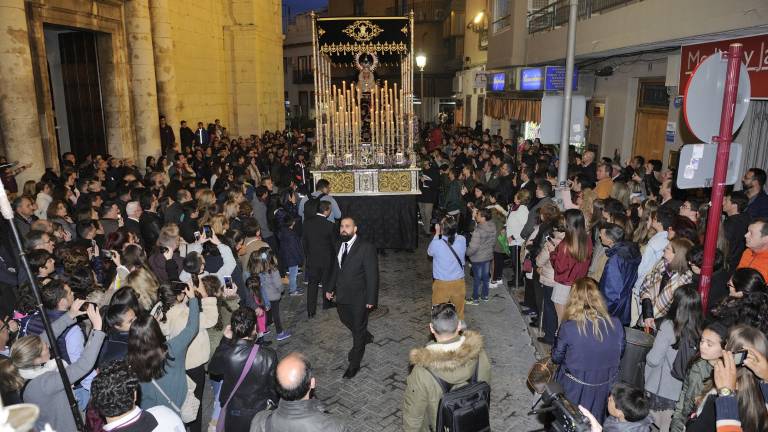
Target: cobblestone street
[373, 399]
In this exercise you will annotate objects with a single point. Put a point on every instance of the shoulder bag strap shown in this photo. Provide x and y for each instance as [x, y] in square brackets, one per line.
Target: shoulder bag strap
[268, 422]
[173, 405]
[443, 385]
[243, 374]
[461, 265]
[474, 380]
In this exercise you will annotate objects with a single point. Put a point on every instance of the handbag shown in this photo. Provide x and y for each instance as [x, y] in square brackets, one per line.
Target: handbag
[243, 374]
[541, 373]
[188, 410]
[632, 365]
[504, 243]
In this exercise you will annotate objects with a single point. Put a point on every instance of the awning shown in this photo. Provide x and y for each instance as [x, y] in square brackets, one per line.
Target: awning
[522, 110]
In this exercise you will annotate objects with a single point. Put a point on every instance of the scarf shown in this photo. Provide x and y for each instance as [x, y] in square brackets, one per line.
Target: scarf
[34, 372]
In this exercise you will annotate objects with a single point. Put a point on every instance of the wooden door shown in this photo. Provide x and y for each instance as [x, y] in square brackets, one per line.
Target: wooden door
[651, 119]
[82, 93]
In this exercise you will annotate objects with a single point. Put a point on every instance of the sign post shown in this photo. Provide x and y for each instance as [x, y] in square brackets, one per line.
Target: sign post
[721, 168]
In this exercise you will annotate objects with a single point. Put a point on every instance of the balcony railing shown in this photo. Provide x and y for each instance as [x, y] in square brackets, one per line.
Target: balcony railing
[424, 10]
[556, 14]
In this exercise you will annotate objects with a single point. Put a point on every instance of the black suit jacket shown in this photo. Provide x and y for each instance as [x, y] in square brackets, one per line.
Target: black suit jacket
[357, 281]
[319, 240]
[150, 228]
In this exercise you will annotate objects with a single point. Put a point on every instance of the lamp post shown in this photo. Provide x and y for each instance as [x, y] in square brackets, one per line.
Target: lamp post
[421, 61]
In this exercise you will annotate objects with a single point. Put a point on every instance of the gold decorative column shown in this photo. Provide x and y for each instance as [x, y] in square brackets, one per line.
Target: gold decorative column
[143, 85]
[165, 70]
[19, 118]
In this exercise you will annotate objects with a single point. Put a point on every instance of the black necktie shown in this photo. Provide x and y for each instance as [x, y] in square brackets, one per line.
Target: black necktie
[344, 254]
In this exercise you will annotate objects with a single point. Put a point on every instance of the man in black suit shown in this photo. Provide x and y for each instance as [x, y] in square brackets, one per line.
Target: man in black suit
[354, 284]
[318, 238]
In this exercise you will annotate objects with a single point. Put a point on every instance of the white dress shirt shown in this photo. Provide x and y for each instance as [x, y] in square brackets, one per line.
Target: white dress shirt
[349, 247]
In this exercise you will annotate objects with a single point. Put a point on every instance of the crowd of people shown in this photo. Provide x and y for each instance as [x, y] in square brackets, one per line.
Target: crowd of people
[617, 249]
[166, 282]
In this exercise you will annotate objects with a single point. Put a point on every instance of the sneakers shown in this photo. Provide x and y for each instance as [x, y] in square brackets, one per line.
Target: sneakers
[472, 302]
[496, 284]
[485, 299]
[266, 332]
[285, 334]
[297, 293]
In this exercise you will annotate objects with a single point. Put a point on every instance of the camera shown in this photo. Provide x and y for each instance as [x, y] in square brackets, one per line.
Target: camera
[566, 415]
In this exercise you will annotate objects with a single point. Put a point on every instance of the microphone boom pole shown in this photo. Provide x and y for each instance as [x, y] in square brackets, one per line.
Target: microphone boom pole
[7, 212]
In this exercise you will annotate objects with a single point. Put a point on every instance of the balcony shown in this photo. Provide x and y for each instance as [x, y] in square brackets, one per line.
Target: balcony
[425, 11]
[556, 14]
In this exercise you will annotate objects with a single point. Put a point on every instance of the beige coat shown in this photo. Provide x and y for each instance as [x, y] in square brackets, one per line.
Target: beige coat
[199, 351]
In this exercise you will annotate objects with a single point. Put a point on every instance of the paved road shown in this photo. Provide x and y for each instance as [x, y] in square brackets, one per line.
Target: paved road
[373, 399]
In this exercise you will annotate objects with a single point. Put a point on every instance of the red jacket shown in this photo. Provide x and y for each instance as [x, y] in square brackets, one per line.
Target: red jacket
[436, 138]
[567, 269]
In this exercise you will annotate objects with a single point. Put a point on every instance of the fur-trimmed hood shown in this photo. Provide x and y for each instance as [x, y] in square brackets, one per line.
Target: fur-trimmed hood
[448, 357]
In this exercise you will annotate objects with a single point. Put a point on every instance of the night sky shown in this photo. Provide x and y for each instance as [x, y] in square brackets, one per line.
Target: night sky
[298, 6]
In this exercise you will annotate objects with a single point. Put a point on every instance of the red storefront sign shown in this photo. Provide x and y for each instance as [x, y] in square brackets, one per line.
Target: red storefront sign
[755, 57]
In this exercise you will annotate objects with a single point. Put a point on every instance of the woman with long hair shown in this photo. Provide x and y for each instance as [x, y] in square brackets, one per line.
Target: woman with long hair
[645, 230]
[681, 326]
[693, 412]
[159, 364]
[588, 348]
[742, 391]
[58, 212]
[570, 254]
[667, 275]
[745, 281]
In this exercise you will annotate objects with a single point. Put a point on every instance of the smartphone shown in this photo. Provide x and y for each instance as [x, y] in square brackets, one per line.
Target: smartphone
[208, 231]
[197, 235]
[739, 357]
[548, 239]
[85, 305]
[228, 282]
[107, 254]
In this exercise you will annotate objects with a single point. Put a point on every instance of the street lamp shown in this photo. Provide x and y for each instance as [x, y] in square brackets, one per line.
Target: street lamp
[421, 61]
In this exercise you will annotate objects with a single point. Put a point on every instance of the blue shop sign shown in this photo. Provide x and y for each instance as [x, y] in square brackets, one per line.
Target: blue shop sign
[531, 79]
[498, 81]
[555, 78]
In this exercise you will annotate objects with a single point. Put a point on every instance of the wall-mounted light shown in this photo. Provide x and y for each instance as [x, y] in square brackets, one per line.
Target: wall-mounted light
[479, 22]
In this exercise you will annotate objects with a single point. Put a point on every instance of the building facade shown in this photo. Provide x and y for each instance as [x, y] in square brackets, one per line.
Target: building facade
[628, 61]
[94, 77]
[299, 78]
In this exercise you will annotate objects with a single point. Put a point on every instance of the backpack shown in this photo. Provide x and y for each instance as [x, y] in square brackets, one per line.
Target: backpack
[467, 408]
[310, 207]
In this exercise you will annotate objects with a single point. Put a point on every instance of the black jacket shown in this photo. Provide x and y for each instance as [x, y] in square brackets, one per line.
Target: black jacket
[318, 240]
[187, 137]
[258, 387]
[115, 347]
[173, 213]
[150, 228]
[357, 281]
[735, 228]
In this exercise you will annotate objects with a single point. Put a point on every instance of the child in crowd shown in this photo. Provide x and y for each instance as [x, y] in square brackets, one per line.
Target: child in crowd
[264, 264]
[628, 408]
[291, 252]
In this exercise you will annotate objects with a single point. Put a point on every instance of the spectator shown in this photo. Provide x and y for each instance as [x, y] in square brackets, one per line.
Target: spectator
[323, 191]
[628, 410]
[753, 184]
[604, 182]
[756, 253]
[742, 393]
[264, 265]
[43, 386]
[115, 394]
[659, 285]
[291, 252]
[297, 410]
[735, 225]
[480, 253]
[453, 358]
[588, 348]
[248, 370]
[681, 327]
[570, 251]
[448, 251]
[119, 318]
[620, 272]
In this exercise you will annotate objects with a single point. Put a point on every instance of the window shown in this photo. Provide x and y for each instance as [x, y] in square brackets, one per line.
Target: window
[501, 14]
[359, 7]
[285, 64]
[303, 103]
[302, 73]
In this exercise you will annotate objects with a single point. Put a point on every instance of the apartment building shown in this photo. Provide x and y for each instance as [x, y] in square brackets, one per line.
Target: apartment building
[629, 66]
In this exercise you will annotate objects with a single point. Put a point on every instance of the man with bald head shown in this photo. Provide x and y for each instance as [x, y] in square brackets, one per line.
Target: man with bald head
[298, 411]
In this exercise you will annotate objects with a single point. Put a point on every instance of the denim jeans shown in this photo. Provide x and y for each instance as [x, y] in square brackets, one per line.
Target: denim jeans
[216, 404]
[82, 395]
[480, 275]
[293, 274]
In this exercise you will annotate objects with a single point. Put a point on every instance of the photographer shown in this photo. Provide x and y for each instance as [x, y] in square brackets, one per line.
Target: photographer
[208, 256]
[447, 250]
